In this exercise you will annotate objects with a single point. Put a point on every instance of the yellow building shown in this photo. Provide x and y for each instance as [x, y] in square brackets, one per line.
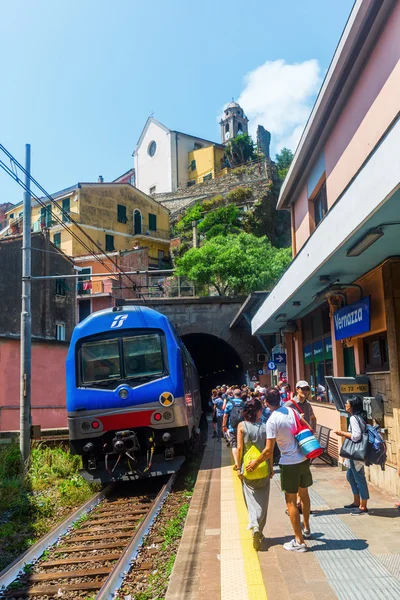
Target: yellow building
[206, 163]
[116, 216]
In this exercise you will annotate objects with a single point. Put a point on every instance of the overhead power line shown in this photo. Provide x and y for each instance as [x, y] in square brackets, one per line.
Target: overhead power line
[14, 175]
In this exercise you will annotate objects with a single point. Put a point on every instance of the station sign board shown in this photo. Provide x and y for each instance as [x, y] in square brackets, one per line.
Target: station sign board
[279, 358]
[341, 388]
[353, 319]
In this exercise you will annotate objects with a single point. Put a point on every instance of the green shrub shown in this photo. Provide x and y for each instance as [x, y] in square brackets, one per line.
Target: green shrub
[239, 195]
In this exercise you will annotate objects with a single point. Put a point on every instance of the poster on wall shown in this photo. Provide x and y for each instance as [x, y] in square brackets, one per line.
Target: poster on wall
[353, 319]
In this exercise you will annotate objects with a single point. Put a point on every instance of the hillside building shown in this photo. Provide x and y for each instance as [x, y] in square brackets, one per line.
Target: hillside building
[234, 122]
[116, 216]
[162, 162]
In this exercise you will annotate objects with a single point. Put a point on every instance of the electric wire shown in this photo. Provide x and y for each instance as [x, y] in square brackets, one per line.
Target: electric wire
[14, 163]
[63, 212]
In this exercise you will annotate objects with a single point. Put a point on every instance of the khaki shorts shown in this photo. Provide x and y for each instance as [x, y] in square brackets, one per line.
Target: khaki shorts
[296, 476]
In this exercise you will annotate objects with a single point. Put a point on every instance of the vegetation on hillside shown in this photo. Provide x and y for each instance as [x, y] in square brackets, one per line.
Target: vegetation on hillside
[240, 150]
[31, 505]
[240, 250]
[235, 264]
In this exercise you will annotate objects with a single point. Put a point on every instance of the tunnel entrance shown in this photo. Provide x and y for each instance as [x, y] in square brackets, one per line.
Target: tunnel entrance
[216, 361]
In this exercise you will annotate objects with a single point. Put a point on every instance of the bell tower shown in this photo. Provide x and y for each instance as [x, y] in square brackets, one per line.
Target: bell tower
[233, 122]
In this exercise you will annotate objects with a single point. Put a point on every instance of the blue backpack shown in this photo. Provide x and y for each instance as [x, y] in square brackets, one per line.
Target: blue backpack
[376, 451]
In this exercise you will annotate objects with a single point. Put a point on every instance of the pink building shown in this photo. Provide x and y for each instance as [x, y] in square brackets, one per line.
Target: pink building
[342, 190]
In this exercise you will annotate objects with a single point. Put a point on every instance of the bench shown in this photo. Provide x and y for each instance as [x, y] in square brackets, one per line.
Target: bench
[323, 434]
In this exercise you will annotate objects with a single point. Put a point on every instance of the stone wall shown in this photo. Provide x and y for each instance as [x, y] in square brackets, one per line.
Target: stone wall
[254, 175]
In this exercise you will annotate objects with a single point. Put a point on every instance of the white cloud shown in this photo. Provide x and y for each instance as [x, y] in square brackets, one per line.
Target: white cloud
[280, 96]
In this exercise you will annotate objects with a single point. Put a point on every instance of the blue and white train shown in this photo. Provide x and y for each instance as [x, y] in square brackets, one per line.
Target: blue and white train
[133, 395]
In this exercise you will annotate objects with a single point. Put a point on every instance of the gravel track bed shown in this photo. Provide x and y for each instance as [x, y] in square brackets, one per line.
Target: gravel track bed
[85, 529]
[158, 552]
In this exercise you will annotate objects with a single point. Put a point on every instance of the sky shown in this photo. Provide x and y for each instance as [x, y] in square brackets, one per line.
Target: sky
[80, 77]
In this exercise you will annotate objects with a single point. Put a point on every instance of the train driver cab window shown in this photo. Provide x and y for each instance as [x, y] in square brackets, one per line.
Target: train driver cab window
[143, 356]
[100, 361]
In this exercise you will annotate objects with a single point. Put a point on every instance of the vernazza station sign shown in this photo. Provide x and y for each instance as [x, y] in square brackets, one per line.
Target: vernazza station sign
[353, 319]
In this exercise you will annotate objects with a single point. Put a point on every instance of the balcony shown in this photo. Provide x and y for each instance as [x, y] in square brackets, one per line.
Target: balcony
[93, 287]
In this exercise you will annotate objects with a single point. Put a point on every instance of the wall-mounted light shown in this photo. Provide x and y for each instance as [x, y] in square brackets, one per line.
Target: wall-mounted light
[280, 317]
[324, 278]
[365, 242]
[297, 303]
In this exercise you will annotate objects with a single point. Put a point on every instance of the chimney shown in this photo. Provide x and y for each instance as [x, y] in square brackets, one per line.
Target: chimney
[100, 179]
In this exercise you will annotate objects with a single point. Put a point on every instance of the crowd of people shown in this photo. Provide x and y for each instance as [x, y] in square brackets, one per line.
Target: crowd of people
[260, 425]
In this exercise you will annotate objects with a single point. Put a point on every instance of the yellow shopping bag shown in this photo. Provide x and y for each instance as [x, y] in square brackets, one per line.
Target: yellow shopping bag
[261, 471]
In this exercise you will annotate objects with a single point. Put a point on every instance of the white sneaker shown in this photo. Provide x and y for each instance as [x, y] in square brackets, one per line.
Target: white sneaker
[306, 533]
[294, 546]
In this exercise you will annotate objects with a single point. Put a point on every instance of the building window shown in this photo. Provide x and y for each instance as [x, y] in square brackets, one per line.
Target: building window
[152, 190]
[61, 287]
[152, 222]
[197, 146]
[60, 332]
[66, 207]
[137, 222]
[45, 216]
[151, 150]
[11, 216]
[109, 243]
[57, 239]
[376, 353]
[320, 205]
[121, 213]
[207, 177]
[317, 352]
[193, 165]
[84, 281]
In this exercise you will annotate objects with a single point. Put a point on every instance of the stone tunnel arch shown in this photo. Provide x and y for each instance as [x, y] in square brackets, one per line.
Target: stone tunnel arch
[217, 362]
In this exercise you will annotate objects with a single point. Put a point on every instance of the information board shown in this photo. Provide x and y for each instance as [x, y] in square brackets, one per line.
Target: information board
[341, 388]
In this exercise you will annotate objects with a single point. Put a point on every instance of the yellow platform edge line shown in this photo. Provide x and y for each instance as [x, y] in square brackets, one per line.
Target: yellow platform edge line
[252, 569]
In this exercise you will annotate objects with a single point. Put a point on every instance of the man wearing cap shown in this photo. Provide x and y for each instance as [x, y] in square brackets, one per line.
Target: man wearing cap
[303, 392]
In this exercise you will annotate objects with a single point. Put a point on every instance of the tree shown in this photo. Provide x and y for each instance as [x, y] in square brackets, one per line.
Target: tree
[239, 150]
[283, 161]
[235, 264]
[222, 221]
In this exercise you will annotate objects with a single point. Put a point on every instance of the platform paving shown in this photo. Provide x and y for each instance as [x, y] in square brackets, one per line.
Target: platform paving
[350, 557]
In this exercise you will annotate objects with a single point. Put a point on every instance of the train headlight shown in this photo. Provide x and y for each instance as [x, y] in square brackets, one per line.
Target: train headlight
[95, 424]
[167, 415]
[157, 417]
[85, 425]
[123, 393]
[166, 437]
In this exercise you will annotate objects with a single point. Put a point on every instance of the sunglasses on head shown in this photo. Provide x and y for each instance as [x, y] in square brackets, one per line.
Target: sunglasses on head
[305, 388]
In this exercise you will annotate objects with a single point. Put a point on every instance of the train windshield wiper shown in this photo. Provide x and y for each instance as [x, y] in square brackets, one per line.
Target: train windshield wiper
[100, 384]
[140, 378]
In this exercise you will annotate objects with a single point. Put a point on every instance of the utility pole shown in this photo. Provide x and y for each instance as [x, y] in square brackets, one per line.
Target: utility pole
[26, 321]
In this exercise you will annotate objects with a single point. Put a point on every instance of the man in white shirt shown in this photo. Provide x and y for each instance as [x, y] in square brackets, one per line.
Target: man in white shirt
[296, 476]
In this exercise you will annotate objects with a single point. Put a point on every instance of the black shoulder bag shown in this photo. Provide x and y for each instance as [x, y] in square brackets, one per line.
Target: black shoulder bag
[356, 450]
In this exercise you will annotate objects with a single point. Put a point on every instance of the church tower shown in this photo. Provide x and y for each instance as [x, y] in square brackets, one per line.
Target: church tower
[233, 122]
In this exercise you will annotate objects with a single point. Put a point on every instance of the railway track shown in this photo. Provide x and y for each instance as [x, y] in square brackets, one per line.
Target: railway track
[88, 554]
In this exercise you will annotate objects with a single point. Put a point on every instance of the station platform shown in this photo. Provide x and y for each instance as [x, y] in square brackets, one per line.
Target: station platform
[349, 558]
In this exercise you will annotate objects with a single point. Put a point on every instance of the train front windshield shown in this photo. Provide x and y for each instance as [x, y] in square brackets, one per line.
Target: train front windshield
[136, 357]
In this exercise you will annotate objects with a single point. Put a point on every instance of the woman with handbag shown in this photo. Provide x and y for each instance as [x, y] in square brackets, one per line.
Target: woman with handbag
[354, 450]
[251, 440]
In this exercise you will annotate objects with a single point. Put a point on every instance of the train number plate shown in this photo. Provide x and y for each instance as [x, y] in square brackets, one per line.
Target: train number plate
[360, 388]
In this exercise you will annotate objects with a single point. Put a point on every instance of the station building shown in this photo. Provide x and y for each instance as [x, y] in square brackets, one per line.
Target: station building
[337, 307]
